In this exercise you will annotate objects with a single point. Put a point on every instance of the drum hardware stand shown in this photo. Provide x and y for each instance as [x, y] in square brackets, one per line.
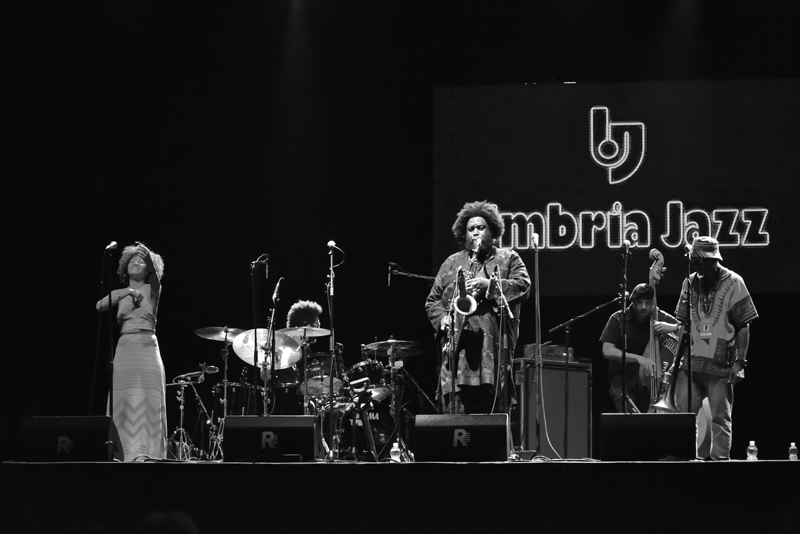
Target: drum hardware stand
[184, 444]
[397, 409]
[216, 451]
[209, 420]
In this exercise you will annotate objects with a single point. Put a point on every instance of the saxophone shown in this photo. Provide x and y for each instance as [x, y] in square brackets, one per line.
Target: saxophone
[666, 401]
[466, 303]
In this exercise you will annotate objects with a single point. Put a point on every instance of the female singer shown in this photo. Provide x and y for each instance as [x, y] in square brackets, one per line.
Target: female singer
[139, 401]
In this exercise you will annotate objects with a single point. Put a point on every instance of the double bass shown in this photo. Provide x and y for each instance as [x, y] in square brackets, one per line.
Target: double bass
[661, 350]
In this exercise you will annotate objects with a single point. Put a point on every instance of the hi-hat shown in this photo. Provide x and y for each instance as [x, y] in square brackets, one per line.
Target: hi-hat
[218, 333]
[305, 331]
[397, 353]
[391, 344]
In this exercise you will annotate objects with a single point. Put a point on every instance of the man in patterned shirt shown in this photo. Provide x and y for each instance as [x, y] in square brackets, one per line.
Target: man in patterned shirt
[721, 312]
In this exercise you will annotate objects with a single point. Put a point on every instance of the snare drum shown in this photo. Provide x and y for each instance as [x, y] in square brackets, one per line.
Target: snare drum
[319, 379]
[368, 375]
[243, 398]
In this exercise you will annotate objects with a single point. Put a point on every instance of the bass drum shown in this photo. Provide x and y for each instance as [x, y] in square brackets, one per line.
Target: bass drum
[354, 437]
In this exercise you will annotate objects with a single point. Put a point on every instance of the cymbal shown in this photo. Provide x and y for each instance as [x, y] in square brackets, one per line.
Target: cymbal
[285, 340]
[218, 333]
[391, 343]
[285, 357]
[397, 353]
[243, 345]
[305, 331]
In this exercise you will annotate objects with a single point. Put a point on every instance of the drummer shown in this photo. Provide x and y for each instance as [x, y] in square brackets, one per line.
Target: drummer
[288, 347]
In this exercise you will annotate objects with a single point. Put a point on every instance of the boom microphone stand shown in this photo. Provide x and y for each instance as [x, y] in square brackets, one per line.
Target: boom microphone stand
[105, 276]
[329, 291]
[264, 258]
[566, 326]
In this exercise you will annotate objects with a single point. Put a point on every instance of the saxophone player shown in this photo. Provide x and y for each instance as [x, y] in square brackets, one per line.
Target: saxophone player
[489, 275]
[721, 310]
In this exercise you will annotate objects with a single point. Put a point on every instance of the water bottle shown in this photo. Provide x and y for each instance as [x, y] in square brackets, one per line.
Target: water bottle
[793, 451]
[752, 451]
[395, 452]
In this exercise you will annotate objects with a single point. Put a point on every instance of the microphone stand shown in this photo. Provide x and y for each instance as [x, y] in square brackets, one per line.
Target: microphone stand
[333, 452]
[420, 391]
[394, 271]
[105, 277]
[537, 358]
[451, 335]
[252, 403]
[691, 336]
[566, 326]
[268, 383]
[623, 289]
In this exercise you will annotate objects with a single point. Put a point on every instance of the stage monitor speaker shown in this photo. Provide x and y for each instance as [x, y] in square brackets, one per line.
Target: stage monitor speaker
[647, 436]
[461, 438]
[275, 438]
[548, 413]
[69, 439]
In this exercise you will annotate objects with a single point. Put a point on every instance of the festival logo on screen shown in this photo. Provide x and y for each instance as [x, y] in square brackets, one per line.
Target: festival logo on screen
[617, 147]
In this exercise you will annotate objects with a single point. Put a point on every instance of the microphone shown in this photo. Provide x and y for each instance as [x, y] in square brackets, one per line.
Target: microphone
[275, 298]
[493, 281]
[535, 240]
[331, 244]
[627, 245]
[112, 245]
[475, 249]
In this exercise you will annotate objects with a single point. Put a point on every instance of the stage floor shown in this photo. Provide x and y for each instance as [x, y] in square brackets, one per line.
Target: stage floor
[568, 496]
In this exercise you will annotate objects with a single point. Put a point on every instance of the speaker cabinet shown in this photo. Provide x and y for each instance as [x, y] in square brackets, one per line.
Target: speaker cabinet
[69, 439]
[276, 438]
[461, 438]
[647, 436]
[551, 411]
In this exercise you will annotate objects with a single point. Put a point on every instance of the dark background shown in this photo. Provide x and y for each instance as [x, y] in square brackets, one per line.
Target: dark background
[215, 133]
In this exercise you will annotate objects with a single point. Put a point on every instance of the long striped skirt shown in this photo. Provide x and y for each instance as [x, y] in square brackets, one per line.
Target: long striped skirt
[140, 408]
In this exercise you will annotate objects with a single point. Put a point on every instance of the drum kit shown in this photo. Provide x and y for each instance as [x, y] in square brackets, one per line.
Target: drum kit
[363, 399]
